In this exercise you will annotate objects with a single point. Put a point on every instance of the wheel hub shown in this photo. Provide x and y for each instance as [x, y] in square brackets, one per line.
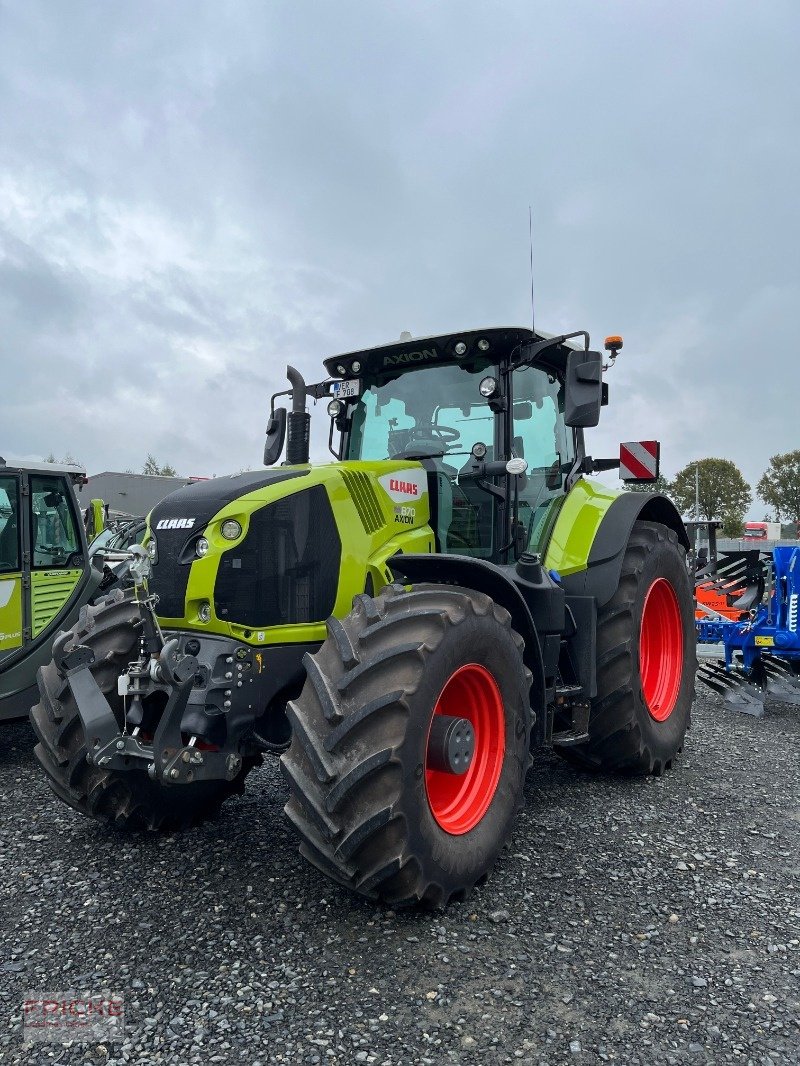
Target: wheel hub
[451, 744]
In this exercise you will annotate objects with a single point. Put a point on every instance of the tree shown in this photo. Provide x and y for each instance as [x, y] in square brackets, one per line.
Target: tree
[779, 485]
[733, 525]
[151, 467]
[659, 485]
[723, 491]
[68, 460]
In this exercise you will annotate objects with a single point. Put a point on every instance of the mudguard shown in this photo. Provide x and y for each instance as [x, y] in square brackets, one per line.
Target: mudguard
[496, 582]
[600, 574]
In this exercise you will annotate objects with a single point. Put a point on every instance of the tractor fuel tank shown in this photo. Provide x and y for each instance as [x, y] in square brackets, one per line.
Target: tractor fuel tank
[545, 596]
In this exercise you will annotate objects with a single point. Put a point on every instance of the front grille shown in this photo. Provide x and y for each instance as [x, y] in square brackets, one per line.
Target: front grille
[361, 490]
[286, 570]
[170, 577]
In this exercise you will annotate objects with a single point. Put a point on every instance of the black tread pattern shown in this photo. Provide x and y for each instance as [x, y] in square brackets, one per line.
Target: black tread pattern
[129, 800]
[622, 737]
[344, 764]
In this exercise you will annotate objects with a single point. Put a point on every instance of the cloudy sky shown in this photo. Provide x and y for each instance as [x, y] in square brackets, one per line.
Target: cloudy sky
[194, 193]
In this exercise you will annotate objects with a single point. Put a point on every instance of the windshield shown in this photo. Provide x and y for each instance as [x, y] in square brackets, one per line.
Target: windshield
[434, 412]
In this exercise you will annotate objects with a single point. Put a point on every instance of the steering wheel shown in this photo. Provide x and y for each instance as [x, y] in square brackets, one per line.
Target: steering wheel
[445, 434]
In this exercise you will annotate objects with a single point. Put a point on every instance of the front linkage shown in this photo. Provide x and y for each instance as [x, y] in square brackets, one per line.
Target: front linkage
[160, 668]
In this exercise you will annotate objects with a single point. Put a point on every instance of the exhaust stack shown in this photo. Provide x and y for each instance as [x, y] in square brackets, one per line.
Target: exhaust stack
[298, 438]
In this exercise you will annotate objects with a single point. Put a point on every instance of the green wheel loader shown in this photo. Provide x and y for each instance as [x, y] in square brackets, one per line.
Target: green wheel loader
[402, 625]
[45, 576]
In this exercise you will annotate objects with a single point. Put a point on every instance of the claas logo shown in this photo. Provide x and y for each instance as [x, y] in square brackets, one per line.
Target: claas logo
[408, 488]
[175, 523]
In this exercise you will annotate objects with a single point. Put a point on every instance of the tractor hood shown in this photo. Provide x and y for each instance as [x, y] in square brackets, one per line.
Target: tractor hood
[271, 555]
[202, 500]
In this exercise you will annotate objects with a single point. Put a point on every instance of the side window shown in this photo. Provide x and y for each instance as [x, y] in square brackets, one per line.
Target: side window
[9, 525]
[541, 438]
[54, 536]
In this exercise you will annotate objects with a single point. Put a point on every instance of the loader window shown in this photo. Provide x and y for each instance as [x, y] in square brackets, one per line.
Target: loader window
[541, 438]
[9, 525]
[53, 530]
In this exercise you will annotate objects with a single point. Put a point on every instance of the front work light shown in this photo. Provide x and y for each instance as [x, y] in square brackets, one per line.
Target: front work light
[488, 388]
[460, 348]
[335, 408]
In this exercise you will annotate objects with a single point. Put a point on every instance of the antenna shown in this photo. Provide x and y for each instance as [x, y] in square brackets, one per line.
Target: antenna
[530, 237]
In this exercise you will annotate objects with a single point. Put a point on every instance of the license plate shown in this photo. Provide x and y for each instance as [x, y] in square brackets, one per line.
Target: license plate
[346, 390]
[765, 642]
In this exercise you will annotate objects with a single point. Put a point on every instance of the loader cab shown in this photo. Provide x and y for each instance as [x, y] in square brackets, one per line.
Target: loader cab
[460, 404]
[43, 567]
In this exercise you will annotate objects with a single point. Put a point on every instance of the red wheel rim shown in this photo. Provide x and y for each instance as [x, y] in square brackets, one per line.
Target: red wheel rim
[458, 802]
[661, 649]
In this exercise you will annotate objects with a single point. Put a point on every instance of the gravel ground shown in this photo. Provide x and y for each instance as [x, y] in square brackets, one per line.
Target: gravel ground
[632, 921]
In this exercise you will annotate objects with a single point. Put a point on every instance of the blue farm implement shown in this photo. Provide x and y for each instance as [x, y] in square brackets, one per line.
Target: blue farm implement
[762, 652]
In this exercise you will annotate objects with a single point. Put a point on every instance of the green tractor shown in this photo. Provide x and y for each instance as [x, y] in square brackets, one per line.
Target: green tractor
[403, 625]
[45, 576]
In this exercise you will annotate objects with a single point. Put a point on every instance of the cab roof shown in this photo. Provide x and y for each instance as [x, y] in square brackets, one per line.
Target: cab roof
[502, 342]
[31, 466]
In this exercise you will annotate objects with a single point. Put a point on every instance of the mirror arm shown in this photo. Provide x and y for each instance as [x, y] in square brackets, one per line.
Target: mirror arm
[590, 466]
[534, 350]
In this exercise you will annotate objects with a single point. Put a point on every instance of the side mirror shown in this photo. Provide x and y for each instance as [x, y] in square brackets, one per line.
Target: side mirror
[583, 392]
[276, 435]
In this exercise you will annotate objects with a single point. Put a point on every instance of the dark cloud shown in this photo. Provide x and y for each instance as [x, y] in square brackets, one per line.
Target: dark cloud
[193, 194]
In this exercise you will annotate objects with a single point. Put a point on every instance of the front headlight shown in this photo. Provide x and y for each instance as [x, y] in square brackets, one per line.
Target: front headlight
[202, 547]
[152, 550]
[204, 612]
[231, 529]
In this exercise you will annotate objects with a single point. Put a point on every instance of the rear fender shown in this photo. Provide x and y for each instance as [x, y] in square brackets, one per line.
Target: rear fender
[600, 576]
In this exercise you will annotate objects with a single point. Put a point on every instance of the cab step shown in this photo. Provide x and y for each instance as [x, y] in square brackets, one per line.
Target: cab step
[581, 709]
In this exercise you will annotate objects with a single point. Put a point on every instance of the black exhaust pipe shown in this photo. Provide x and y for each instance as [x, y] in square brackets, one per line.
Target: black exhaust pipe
[298, 437]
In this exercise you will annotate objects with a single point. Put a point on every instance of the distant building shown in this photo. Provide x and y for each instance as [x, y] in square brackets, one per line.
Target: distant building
[132, 494]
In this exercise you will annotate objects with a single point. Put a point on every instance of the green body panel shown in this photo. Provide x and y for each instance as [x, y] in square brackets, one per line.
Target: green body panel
[372, 527]
[10, 612]
[50, 590]
[579, 518]
[98, 517]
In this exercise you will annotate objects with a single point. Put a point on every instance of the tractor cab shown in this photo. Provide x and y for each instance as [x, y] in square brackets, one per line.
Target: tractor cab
[495, 418]
[466, 406]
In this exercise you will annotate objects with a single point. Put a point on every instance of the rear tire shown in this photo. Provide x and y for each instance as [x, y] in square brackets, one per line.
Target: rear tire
[646, 661]
[370, 811]
[128, 799]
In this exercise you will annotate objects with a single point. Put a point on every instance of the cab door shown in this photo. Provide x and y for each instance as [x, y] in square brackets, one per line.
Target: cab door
[56, 549]
[11, 584]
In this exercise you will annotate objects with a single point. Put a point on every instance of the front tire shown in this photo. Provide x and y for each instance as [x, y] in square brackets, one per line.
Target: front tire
[372, 811]
[125, 799]
[646, 661]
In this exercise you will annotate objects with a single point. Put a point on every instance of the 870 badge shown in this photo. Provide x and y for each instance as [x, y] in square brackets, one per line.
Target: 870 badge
[405, 516]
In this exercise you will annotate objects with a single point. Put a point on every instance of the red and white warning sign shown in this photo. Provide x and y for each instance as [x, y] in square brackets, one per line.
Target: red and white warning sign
[639, 460]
